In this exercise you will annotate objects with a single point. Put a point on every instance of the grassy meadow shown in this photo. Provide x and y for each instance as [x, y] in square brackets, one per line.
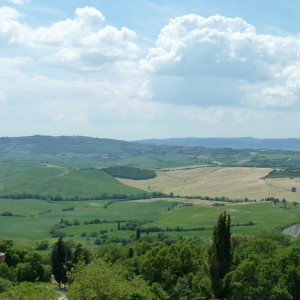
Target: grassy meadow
[37, 217]
[52, 180]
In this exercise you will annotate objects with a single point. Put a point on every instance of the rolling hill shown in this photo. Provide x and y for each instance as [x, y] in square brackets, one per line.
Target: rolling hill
[234, 143]
[83, 152]
[43, 181]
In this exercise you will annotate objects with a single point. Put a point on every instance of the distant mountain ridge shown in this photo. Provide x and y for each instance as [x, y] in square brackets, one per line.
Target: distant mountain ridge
[81, 145]
[82, 152]
[55, 145]
[234, 143]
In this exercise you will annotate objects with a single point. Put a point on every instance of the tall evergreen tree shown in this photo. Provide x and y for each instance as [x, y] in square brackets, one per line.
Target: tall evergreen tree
[220, 258]
[80, 254]
[138, 234]
[60, 257]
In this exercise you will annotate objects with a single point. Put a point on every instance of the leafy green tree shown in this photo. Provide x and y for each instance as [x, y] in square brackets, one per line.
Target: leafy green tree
[260, 278]
[219, 259]
[142, 247]
[289, 259]
[111, 253]
[261, 245]
[13, 255]
[4, 285]
[60, 257]
[6, 272]
[43, 245]
[31, 269]
[267, 267]
[80, 254]
[102, 280]
[171, 267]
[30, 291]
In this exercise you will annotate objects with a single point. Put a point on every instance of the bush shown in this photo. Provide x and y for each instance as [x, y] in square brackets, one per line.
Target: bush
[43, 245]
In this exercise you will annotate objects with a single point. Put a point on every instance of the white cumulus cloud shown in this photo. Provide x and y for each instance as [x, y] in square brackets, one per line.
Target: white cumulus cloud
[222, 61]
[83, 40]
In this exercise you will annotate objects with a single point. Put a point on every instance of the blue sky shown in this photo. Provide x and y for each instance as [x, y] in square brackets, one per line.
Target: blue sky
[136, 69]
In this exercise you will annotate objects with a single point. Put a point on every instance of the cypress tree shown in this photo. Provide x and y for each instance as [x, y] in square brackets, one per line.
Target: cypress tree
[220, 258]
[131, 252]
[60, 256]
[138, 234]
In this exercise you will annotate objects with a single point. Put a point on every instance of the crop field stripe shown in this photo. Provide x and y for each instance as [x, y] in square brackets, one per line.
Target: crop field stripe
[231, 182]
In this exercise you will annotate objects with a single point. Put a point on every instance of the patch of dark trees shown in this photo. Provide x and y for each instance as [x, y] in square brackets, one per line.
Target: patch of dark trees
[130, 172]
[220, 199]
[284, 173]
[10, 214]
[68, 208]
[47, 211]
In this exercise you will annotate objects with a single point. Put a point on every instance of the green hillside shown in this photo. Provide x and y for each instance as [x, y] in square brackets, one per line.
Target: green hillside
[53, 181]
[33, 219]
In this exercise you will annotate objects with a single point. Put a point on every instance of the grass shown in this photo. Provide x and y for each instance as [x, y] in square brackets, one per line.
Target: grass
[33, 226]
[264, 215]
[35, 178]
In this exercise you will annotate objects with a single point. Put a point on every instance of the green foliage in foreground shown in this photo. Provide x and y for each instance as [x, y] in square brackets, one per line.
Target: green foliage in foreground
[30, 291]
[103, 280]
[263, 266]
[130, 172]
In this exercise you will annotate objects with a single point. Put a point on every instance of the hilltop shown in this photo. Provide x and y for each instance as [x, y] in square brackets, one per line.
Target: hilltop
[80, 151]
[234, 143]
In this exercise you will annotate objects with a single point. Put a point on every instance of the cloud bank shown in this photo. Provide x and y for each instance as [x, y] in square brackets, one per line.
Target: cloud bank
[223, 61]
[81, 75]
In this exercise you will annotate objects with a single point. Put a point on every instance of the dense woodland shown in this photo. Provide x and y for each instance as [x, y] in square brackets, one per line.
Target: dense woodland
[130, 172]
[284, 173]
[262, 266]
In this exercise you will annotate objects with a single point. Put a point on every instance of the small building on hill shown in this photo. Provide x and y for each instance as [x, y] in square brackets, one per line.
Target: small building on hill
[188, 204]
[2, 258]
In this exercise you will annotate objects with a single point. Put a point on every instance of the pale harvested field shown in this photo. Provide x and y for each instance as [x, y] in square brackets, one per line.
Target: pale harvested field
[234, 183]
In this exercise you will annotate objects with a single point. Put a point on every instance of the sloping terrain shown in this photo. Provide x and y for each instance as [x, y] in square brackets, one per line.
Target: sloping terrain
[231, 182]
[54, 181]
[82, 152]
[235, 143]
